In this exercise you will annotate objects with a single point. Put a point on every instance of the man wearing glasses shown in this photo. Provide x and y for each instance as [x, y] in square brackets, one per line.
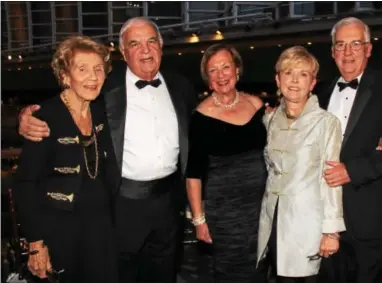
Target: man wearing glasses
[356, 99]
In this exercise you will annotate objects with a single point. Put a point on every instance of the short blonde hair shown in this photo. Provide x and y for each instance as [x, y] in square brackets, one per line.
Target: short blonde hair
[63, 57]
[211, 51]
[294, 56]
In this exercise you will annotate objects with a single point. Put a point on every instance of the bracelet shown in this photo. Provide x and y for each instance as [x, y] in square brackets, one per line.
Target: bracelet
[199, 220]
[334, 236]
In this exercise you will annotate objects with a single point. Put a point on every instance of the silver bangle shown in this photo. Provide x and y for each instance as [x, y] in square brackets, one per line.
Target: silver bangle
[199, 220]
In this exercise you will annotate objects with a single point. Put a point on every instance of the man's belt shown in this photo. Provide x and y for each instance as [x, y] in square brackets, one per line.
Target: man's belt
[147, 189]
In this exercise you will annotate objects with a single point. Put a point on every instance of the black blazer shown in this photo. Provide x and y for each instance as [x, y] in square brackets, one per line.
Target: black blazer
[362, 197]
[49, 173]
[183, 97]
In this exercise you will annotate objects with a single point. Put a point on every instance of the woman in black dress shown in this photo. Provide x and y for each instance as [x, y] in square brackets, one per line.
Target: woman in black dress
[227, 138]
[64, 186]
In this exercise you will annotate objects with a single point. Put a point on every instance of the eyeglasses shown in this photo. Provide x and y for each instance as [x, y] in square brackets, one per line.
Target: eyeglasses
[355, 45]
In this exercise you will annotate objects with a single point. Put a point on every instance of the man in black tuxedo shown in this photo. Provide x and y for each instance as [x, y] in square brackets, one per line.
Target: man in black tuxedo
[356, 99]
[148, 112]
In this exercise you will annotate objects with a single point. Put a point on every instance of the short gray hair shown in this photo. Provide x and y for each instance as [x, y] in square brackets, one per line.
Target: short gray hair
[348, 21]
[131, 21]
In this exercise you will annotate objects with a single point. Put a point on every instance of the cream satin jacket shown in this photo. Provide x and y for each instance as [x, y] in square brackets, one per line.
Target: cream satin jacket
[295, 156]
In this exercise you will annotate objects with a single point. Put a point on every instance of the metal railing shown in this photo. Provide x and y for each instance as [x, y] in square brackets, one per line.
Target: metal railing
[29, 27]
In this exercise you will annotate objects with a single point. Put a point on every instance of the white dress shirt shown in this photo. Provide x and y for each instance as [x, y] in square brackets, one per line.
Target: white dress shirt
[341, 103]
[151, 141]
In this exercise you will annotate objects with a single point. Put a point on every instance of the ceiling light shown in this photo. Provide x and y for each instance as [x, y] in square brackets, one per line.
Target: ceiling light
[20, 57]
[193, 38]
[309, 43]
[9, 57]
[376, 38]
[180, 53]
[252, 47]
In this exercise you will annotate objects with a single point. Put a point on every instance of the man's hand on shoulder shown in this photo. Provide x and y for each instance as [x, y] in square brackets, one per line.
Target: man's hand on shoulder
[31, 127]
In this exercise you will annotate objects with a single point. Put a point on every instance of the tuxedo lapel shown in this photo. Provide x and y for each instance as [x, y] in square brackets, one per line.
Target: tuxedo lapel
[361, 98]
[178, 101]
[115, 99]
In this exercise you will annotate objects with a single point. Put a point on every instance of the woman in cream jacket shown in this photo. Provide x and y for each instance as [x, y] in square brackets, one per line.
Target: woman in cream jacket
[301, 216]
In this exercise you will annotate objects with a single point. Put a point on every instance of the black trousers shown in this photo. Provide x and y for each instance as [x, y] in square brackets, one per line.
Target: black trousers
[147, 234]
[357, 261]
[272, 253]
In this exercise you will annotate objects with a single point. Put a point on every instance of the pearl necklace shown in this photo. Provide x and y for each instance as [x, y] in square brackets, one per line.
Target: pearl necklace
[225, 106]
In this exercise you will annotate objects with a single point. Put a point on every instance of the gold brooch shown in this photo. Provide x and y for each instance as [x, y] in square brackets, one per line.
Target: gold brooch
[68, 170]
[99, 128]
[69, 140]
[59, 196]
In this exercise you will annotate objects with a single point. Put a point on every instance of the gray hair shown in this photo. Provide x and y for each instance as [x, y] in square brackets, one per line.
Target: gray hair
[131, 22]
[348, 21]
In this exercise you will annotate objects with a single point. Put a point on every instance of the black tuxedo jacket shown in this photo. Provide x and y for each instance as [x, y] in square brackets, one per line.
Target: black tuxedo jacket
[183, 97]
[49, 174]
[362, 197]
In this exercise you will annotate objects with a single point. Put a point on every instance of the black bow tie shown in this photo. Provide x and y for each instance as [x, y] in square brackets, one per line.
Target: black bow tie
[353, 84]
[141, 83]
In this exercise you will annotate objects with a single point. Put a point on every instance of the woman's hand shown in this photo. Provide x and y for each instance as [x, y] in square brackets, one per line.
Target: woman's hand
[329, 245]
[203, 234]
[39, 260]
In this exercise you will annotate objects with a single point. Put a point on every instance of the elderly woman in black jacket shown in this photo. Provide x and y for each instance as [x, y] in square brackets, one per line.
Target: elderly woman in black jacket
[64, 183]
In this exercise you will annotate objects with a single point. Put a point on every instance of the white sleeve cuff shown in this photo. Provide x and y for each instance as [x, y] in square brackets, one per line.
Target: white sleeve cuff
[333, 225]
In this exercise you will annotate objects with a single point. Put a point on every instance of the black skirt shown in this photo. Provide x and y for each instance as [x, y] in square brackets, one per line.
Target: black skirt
[234, 189]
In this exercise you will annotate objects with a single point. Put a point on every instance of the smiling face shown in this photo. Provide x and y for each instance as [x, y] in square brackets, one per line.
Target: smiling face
[296, 82]
[142, 50]
[86, 75]
[351, 63]
[222, 72]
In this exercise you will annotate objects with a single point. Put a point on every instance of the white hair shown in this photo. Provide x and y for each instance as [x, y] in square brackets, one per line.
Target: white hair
[131, 22]
[348, 21]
